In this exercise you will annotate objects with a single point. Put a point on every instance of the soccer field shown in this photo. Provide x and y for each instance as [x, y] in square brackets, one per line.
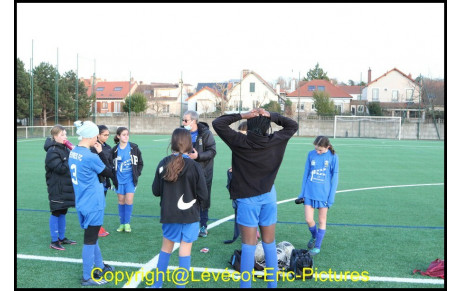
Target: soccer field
[387, 220]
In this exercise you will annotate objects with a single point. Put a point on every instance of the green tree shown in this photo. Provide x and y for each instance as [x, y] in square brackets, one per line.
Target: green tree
[316, 73]
[323, 103]
[351, 83]
[22, 91]
[374, 109]
[44, 90]
[288, 108]
[67, 99]
[272, 106]
[138, 103]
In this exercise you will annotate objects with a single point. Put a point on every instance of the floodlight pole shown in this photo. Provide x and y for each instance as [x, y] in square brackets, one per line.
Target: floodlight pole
[129, 103]
[180, 84]
[241, 80]
[56, 93]
[31, 121]
[298, 106]
[76, 92]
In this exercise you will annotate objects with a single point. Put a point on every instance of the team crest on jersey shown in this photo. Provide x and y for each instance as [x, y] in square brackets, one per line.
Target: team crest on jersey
[313, 162]
[326, 163]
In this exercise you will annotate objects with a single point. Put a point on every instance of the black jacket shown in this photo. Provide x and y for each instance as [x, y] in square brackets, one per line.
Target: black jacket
[58, 180]
[255, 159]
[205, 145]
[175, 196]
[136, 159]
[107, 151]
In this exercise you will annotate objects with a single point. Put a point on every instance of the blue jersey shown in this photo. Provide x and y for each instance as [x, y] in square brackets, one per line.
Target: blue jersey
[124, 165]
[321, 177]
[84, 168]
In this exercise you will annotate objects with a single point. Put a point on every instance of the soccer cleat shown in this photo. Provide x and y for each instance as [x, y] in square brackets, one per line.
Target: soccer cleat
[103, 232]
[121, 228]
[314, 251]
[93, 282]
[57, 246]
[311, 243]
[66, 241]
[127, 227]
[99, 274]
[203, 232]
[299, 200]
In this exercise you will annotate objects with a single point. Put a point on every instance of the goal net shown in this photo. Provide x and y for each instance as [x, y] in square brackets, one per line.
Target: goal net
[367, 126]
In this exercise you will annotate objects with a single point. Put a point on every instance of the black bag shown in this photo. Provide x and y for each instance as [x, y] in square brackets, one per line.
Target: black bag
[235, 261]
[300, 260]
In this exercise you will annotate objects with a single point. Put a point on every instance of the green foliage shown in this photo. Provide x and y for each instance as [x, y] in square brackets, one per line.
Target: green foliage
[44, 90]
[67, 100]
[138, 103]
[288, 108]
[272, 106]
[22, 91]
[323, 103]
[316, 74]
[375, 109]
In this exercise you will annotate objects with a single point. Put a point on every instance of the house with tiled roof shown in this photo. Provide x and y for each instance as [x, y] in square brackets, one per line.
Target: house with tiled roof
[164, 98]
[397, 93]
[110, 95]
[204, 101]
[252, 92]
[302, 98]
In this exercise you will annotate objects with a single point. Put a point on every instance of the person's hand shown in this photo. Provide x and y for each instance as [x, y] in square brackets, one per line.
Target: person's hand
[193, 155]
[263, 112]
[98, 147]
[251, 114]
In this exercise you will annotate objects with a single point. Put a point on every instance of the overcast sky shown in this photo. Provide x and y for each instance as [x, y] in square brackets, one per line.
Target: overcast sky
[214, 42]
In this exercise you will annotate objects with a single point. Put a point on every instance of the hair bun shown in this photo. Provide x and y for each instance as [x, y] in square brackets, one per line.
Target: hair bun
[78, 123]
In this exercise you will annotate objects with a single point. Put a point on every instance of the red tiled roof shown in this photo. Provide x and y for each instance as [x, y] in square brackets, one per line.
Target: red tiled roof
[108, 90]
[332, 90]
[204, 88]
[351, 89]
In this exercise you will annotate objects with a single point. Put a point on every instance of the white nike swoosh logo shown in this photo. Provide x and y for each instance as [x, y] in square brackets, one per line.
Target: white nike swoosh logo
[184, 206]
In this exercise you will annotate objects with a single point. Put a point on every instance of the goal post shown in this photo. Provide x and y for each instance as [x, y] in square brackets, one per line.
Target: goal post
[367, 126]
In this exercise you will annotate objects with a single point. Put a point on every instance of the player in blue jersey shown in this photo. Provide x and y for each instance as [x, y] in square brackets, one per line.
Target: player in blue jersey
[319, 185]
[127, 160]
[89, 198]
[181, 184]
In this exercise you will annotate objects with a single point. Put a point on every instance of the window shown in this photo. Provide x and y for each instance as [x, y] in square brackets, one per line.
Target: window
[165, 108]
[375, 94]
[117, 89]
[100, 89]
[252, 87]
[311, 88]
[395, 95]
[313, 107]
[147, 92]
[338, 108]
[105, 105]
[302, 106]
[321, 88]
[360, 108]
[409, 94]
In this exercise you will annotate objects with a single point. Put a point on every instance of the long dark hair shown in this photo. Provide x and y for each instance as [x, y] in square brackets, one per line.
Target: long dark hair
[181, 143]
[119, 131]
[323, 141]
[259, 125]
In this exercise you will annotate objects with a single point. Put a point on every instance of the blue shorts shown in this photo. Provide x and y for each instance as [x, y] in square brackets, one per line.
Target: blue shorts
[315, 203]
[126, 188]
[94, 218]
[177, 232]
[258, 210]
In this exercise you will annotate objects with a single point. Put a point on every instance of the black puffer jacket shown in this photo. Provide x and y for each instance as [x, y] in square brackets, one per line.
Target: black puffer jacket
[58, 180]
[205, 145]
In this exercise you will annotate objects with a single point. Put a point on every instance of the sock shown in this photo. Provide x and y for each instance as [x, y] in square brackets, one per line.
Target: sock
[128, 211]
[247, 264]
[313, 231]
[320, 237]
[88, 260]
[61, 226]
[162, 266]
[121, 213]
[271, 261]
[54, 228]
[184, 262]
[98, 256]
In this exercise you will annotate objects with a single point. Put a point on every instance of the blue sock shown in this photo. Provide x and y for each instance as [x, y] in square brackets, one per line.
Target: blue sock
[313, 231]
[61, 226]
[247, 264]
[162, 266]
[320, 237]
[184, 262]
[121, 213]
[54, 228]
[128, 211]
[88, 260]
[271, 261]
[98, 257]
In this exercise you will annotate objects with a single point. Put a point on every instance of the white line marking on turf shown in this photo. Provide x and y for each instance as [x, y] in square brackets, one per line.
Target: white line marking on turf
[150, 265]
[213, 270]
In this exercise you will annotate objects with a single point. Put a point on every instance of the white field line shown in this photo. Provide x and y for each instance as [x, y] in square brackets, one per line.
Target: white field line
[141, 273]
[150, 265]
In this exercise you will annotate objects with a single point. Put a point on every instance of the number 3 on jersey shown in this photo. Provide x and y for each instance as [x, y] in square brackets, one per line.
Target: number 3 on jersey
[73, 170]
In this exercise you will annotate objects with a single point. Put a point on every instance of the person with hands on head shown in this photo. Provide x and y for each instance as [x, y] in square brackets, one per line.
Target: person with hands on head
[256, 158]
[85, 167]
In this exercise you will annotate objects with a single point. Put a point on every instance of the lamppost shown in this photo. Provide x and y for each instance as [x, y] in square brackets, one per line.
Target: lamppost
[298, 106]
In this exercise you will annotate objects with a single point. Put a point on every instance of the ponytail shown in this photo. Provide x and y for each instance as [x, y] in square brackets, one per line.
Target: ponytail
[173, 168]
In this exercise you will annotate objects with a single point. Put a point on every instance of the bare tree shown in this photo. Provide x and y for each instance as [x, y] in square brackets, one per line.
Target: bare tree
[221, 96]
[205, 106]
[283, 83]
[157, 106]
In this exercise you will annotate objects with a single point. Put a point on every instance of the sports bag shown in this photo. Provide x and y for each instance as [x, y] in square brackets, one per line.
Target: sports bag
[435, 269]
[235, 261]
[300, 260]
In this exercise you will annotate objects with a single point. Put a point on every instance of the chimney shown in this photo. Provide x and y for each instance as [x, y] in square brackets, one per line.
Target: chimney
[245, 72]
[278, 88]
[369, 79]
[292, 85]
[410, 75]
